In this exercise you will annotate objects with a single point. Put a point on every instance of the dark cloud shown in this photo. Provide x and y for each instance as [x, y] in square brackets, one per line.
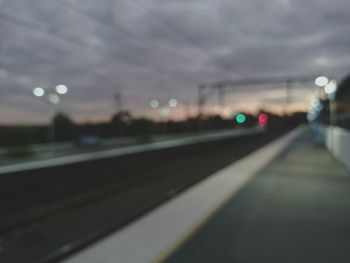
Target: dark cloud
[157, 48]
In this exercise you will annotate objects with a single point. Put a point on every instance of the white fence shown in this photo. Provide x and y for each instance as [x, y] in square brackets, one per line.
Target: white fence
[336, 140]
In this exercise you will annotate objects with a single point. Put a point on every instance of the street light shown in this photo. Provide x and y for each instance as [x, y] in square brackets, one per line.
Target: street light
[321, 81]
[164, 108]
[54, 99]
[38, 92]
[154, 104]
[315, 103]
[331, 87]
[172, 103]
[61, 89]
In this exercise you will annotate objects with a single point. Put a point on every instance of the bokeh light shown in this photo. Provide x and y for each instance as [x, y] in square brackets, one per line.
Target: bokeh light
[61, 89]
[154, 104]
[173, 103]
[331, 87]
[263, 119]
[38, 92]
[321, 81]
[241, 118]
[54, 98]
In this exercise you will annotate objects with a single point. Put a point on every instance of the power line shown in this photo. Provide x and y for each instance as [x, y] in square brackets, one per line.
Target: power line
[174, 30]
[26, 24]
[90, 17]
[131, 36]
[125, 34]
[220, 86]
[20, 22]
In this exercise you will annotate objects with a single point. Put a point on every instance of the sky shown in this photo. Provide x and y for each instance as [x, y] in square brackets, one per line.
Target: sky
[146, 49]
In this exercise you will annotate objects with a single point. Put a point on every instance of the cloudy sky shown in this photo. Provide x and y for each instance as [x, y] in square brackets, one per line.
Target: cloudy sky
[161, 49]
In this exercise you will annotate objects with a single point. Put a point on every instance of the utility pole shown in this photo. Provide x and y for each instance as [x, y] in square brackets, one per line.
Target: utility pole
[118, 101]
[220, 88]
[286, 106]
[186, 111]
[221, 96]
[201, 99]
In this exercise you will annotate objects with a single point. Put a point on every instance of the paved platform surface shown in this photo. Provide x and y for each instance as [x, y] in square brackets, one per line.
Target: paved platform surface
[296, 210]
[151, 237]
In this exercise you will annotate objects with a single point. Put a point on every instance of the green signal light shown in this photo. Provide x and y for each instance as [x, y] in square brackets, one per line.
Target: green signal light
[241, 118]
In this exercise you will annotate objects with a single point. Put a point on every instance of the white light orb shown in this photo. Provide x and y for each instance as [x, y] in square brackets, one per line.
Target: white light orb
[331, 87]
[173, 103]
[38, 92]
[164, 112]
[61, 89]
[321, 81]
[314, 103]
[54, 99]
[154, 104]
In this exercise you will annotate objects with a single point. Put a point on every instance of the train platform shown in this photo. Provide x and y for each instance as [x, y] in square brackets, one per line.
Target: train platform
[286, 202]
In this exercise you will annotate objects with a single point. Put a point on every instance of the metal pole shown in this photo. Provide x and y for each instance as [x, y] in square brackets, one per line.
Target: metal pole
[119, 101]
[221, 96]
[332, 110]
[288, 86]
[186, 110]
[331, 123]
[53, 130]
[201, 99]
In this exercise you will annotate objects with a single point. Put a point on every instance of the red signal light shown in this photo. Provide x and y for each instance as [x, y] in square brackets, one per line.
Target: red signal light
[263, 119]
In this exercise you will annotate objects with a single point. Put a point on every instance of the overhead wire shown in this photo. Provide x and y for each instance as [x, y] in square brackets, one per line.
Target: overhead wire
[174, 30]
[29, 26]
[127, 35]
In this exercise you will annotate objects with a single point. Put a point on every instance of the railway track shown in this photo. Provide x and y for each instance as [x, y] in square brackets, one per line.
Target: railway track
[58, 210]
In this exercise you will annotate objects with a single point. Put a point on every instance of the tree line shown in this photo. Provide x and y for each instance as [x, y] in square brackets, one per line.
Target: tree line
[123, 123]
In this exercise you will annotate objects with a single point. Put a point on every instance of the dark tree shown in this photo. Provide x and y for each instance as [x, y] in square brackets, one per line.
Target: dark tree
[119, 122]
[64, 128]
